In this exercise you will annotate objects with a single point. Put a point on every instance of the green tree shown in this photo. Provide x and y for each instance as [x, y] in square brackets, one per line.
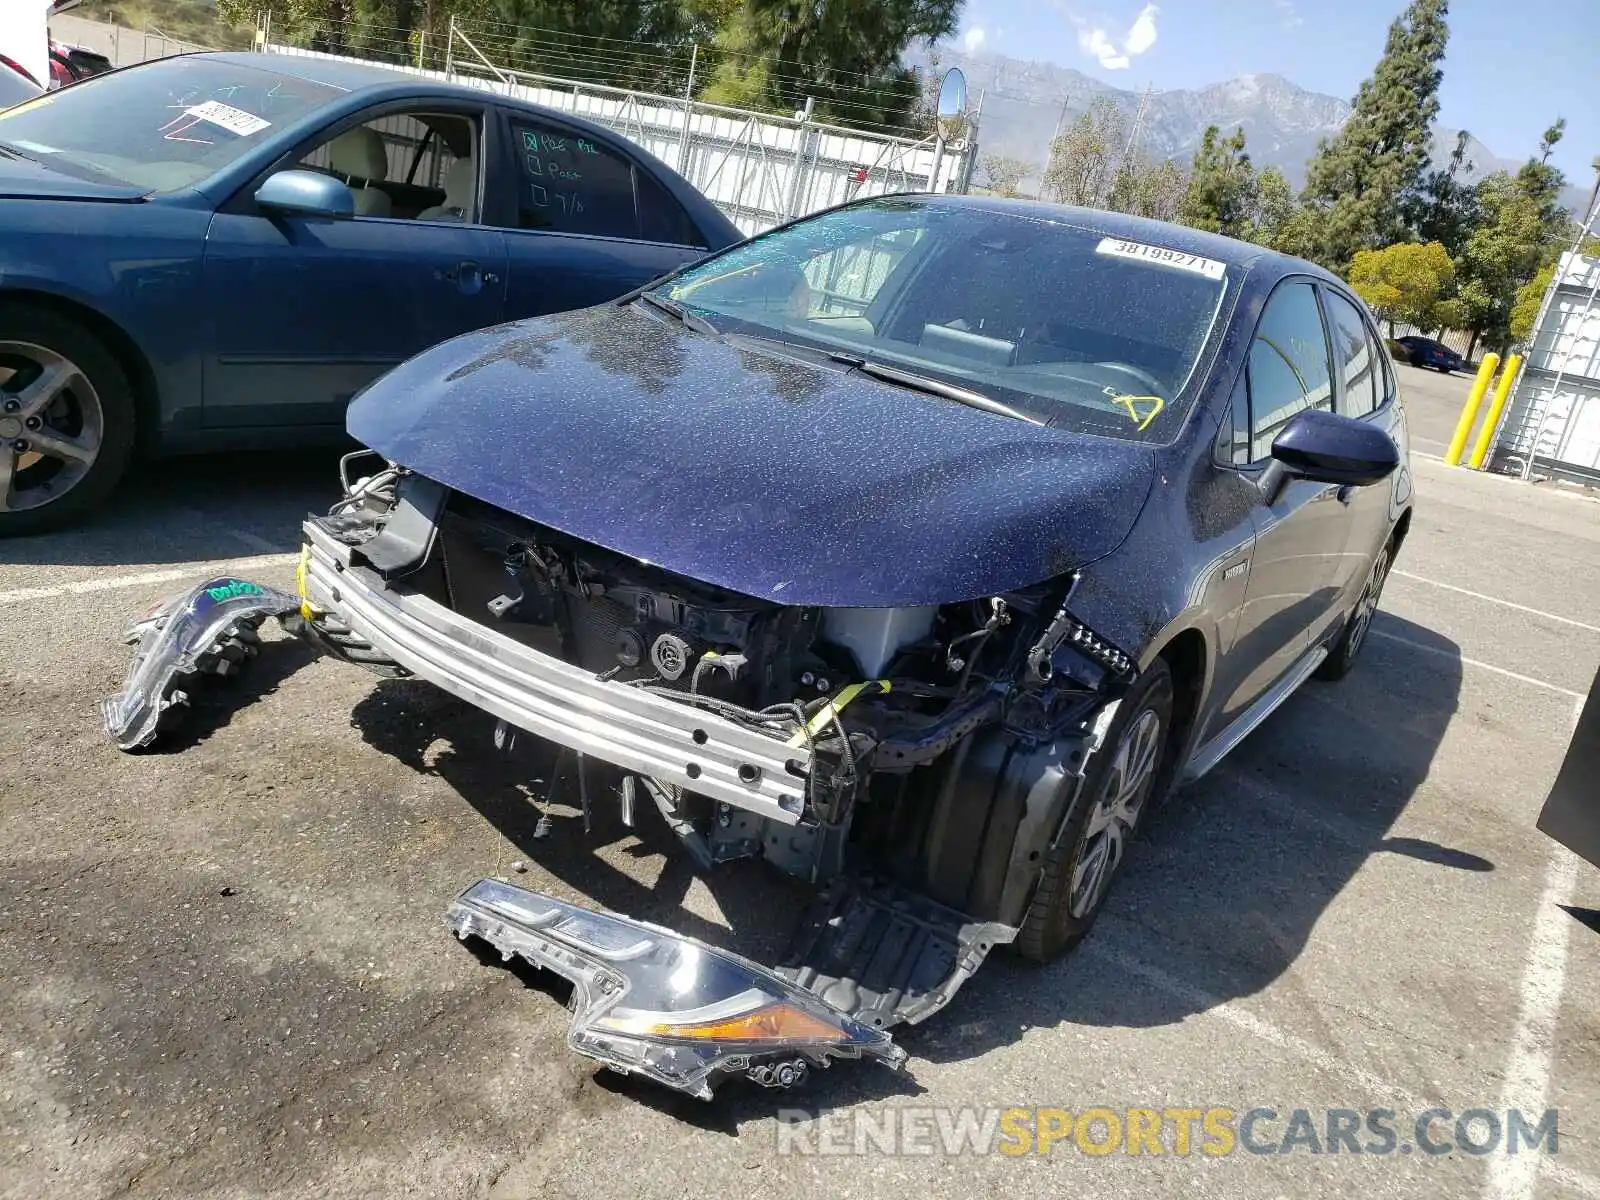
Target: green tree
[1275, 209]
[1525, 308]
[1148, 189]
[1444, 207]
[844, 55]
[1083, 160]
[1523, 229]
[1404, 282]
[1002, 173]
[1222, 192]
[1358, 177]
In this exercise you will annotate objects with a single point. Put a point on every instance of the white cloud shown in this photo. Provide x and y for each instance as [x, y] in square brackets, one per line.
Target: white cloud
[1288, 14]
[1097, 44]
[973, 39]
[1115, 54]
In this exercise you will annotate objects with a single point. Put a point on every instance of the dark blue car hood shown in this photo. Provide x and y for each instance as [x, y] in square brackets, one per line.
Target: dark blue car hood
[756, 473]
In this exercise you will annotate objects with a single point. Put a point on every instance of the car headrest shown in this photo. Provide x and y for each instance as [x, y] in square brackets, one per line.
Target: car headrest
[459, 183]
[359, 153]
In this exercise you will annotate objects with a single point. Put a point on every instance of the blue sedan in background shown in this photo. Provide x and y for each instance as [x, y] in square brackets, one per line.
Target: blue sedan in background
[1425, 352]
[218, 251]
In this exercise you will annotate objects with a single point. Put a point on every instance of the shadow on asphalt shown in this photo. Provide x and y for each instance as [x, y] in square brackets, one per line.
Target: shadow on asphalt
[214, 701]
[194, 508]
[1217, 902]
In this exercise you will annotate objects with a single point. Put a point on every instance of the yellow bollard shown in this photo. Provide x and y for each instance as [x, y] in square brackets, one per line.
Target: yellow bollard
[1502, 393]
[1469, 411]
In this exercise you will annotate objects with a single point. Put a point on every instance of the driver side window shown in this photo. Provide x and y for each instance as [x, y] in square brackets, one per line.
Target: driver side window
[1289, 370]
[417, 166]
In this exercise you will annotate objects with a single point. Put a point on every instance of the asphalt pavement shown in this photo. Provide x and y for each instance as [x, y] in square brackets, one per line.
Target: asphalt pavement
[227, 972]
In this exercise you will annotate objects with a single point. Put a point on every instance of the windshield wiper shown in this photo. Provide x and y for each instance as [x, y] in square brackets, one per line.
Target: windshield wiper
[933, 387]
[673, 309]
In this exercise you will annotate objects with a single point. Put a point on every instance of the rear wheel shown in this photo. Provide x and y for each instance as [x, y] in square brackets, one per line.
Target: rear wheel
[66, 419]
[1118, 789]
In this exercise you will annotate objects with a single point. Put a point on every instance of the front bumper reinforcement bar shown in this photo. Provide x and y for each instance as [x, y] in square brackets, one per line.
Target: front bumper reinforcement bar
[634, 729]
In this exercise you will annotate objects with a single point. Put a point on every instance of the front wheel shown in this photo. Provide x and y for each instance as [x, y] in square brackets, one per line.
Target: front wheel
[1118, 788]
[1342, 654]
[66, 419]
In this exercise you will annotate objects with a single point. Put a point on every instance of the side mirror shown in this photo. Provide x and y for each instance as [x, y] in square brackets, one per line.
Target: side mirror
[1327, 448]
[306, 194]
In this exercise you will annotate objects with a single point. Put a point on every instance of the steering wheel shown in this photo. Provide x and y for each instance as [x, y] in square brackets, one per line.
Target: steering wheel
[1148, 381]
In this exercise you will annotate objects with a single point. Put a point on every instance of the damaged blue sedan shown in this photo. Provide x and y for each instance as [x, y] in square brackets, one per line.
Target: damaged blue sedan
[919, 547]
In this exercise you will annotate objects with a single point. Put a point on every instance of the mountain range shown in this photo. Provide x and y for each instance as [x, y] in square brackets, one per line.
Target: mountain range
[1023, 101]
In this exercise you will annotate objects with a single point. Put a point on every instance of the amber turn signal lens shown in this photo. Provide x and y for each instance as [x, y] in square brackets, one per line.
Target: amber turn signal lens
[774, 1023]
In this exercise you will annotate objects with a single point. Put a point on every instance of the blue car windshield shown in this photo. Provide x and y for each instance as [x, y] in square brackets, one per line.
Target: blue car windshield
[163, 126]
[1080, 330]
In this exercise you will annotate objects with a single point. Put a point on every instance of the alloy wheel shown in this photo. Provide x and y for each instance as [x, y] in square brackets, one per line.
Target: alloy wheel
[1367, 606]
[51, 426]
[1116, 812]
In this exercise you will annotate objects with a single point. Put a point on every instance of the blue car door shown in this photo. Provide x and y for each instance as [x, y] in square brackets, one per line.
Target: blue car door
[1300, 538]
[304, 311]
[589, 221]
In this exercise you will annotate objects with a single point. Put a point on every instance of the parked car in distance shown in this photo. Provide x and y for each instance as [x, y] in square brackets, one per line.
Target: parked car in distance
[1425, 352]
[919, 546]
[219, 250]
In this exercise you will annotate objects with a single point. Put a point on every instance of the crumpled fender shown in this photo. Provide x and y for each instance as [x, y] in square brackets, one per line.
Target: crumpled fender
[208, 630]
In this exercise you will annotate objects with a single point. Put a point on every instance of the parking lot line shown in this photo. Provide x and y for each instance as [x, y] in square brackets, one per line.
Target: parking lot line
[1536, 612]
[1479, 663]
[1510, 1177]
[170, 575]
[1527, 1074]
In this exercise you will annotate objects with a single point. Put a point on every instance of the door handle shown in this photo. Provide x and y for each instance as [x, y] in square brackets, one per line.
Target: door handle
[466, 275]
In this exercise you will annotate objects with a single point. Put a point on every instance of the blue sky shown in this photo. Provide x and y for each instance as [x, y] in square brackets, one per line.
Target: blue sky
[1511, 68]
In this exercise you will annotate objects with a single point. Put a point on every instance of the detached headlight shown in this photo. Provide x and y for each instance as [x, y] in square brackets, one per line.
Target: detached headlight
[207, 630]
[649, 1000]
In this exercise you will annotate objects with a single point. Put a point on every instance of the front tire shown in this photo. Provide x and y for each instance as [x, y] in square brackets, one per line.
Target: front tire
[1122, 784]
[66, 419]
[1347, 646]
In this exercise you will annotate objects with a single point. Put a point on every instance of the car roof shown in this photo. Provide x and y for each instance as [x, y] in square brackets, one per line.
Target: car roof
[1232, 251]
[339, 73]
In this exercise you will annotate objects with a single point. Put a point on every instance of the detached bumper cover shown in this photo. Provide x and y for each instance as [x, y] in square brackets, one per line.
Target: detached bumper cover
[649, 1001]
[648, 734]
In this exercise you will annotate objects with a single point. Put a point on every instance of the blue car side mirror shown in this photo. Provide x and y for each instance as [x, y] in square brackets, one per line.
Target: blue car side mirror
[306, 194]
[1325, 447]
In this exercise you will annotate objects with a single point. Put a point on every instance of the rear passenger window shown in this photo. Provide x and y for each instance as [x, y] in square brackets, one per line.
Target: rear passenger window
[571, 184]
[661, 218]
[1385, 375]
[1289, 369]
[1352, 351]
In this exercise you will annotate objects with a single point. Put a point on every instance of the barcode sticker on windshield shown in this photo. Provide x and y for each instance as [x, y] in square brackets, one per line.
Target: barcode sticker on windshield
[234, 120]
[1209, 267]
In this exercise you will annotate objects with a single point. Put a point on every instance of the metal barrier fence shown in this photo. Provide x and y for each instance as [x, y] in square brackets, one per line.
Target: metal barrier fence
[760, 169]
